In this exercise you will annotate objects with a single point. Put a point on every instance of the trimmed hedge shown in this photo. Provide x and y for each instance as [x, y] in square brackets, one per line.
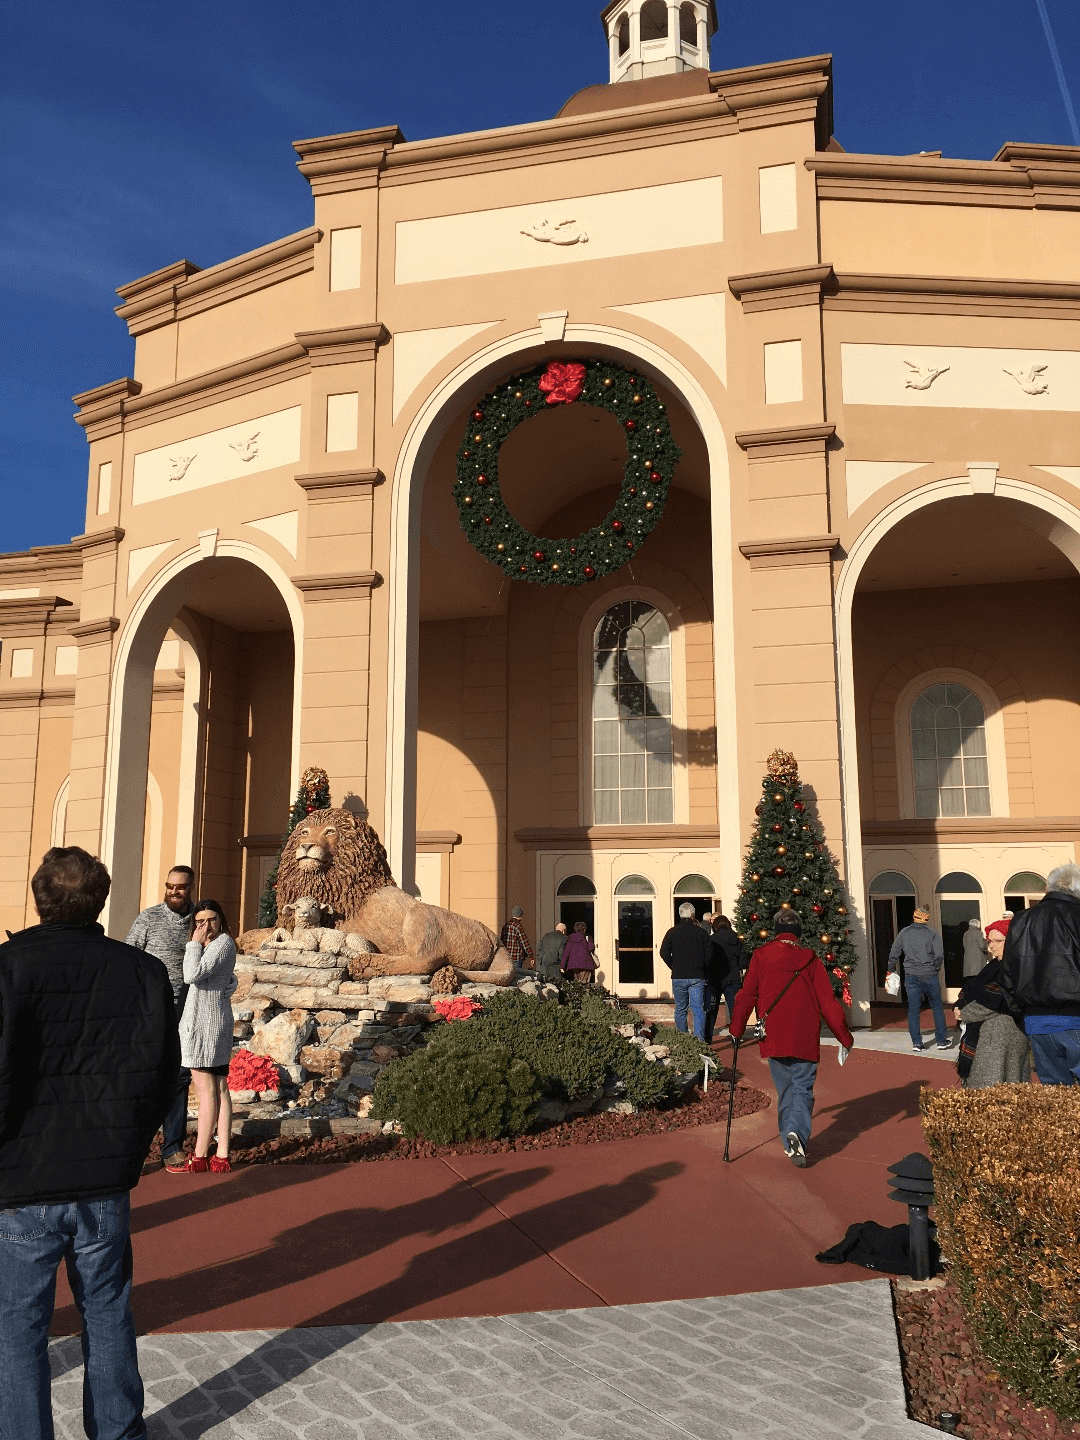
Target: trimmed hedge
[1007, 1197]
[453, 1096]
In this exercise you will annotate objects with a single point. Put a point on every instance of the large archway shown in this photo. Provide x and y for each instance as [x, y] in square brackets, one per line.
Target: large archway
[959, 692]
[205, 696]
[430, 431]
[493, 677]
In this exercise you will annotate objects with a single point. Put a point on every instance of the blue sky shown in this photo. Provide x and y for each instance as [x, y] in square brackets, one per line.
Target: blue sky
[137, 135]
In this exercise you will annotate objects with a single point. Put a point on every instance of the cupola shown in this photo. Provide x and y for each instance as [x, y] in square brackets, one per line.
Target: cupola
[658, 37]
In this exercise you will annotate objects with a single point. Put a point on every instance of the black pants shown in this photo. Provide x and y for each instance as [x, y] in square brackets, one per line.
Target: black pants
[174, 1128]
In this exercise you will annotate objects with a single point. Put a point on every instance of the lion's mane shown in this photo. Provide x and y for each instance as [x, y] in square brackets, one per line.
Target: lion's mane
[359, 867]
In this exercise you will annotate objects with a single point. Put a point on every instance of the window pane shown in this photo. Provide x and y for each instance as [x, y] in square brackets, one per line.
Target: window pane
[950, 772]
[948, 740]
[633, 666]
[634, 639]
[971, 710]
[660, 807]
[633, 807]
[632, 699]
[922, 713]
[606, 807]
[926, 776]
[604, 667]
[952, 801]
[633, 737]
[658, 736]
[659, 700]
[935, 695]
[633, 772]
[926, 803]
[606, 737]
[923, 742]
[658, 665]
[978, 802]
[655, 629]
[975, 772]
[606, 772]
[604, 702]
[659, 771]
[974, 740]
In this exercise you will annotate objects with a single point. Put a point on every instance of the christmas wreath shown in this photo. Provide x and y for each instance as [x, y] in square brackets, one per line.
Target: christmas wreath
[650, 464]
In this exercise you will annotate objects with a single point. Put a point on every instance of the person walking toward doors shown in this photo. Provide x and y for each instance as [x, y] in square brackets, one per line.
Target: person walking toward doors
[687, 949]
[919, 949]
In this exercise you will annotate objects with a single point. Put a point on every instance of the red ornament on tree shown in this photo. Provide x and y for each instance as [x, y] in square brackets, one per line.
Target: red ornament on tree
[562, 384]
[777, 827]
[799, 806]
[817, 909]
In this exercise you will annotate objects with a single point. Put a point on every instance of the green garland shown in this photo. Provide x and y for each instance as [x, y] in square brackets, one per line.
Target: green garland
[652, 456]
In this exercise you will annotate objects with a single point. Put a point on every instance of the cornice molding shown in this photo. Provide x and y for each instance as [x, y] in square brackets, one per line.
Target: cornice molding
[184, 289]
[355, 585]
[928, 180]
[335, 163]
[955, 295]
[102, 410]
[782, 93]
[20, 699]
[786, 442]
[339, 484]
[93, 631]
[781, 289]
[28, 614]
[226, 382]
[617, 837]
[439, 842]
[344, 344]
[972, 831]
[796, 550]
[97, 542]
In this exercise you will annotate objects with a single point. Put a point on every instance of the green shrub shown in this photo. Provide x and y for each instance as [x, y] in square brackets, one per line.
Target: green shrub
[553, 1039]
[1007, 1200]
[447, 1095]
[687, 1051]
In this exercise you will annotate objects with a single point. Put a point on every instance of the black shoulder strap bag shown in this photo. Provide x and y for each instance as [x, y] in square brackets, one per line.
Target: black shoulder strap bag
[759, 1029]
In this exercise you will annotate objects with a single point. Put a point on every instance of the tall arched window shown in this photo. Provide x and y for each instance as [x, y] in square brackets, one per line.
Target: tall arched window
[687, 24]
[624, 34]
[631, 709]
[654, 20]
[948, 752]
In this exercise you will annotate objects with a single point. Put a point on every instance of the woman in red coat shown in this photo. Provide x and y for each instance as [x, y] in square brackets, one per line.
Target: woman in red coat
[793, 1024]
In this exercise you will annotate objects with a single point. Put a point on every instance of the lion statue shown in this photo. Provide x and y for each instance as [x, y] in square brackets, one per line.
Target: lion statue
[335, 861]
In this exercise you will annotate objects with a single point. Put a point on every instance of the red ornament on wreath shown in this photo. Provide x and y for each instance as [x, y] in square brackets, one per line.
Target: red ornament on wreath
[562, 384]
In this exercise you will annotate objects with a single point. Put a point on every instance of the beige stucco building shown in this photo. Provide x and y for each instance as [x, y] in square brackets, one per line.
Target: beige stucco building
[869, 555]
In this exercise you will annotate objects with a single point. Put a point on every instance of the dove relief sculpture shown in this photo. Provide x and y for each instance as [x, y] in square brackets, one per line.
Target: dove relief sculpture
[558, 232]
[178, 465]
[1031, 381]
[923, 376]
[246, 449]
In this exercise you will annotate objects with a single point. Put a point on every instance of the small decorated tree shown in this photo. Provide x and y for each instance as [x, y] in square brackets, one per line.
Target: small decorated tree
[313, 794]
[788, 866]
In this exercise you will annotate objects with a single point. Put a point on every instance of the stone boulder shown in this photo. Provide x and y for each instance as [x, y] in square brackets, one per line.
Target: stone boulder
[282, 1038]
[326, 1060]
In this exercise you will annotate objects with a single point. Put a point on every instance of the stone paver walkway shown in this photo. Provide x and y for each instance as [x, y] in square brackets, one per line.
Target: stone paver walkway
[781, 1365]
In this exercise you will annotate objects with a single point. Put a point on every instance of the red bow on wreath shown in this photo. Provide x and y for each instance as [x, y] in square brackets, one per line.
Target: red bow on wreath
[562, 384]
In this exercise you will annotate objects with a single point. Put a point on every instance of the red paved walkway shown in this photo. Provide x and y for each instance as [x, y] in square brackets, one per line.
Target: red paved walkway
[653, 1219]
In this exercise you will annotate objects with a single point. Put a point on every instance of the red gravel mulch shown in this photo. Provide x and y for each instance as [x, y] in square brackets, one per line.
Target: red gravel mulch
[943, 1370]
[695, 1109]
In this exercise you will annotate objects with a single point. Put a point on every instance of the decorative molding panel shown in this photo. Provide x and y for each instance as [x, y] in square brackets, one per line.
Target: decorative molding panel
[140, 560]
[866, 477]
[622, 222]
[697, 320]
[1069, 473]
[798, 550]
[786, 442]
[956, 377]
[356, 585]
[25, 592]
[417, 352]
[282, 528]
[262, 443]
[557, 232]
[333, 485]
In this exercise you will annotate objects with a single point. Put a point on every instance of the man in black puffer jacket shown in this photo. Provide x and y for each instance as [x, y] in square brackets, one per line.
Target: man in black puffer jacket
[1040, 976]
[88, 1061]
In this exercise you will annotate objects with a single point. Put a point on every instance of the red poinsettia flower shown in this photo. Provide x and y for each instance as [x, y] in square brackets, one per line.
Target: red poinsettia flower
[460, 1008]
[562, 384]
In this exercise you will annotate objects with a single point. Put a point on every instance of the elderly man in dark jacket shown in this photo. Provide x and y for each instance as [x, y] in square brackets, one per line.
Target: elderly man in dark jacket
[687, 948]
[88, 1062]
[1040, 976]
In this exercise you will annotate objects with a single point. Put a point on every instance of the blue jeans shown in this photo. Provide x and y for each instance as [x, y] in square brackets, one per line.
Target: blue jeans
[794, 1081]
[712, 1005]
[1057, 1057]
[692, 992]
[924, 990]
[93, 1238]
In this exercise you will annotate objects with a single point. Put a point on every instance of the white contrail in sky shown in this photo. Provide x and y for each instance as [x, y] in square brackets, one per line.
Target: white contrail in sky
[1058, 70]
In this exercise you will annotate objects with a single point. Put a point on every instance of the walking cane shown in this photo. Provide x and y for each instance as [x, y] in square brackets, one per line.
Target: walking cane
[731, 1101]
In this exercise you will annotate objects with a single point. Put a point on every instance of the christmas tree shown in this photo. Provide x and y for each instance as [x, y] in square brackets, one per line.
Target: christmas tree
[789, 867]
[313, 794]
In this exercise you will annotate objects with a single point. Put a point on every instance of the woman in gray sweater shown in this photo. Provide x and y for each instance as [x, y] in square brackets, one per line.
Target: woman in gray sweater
[206, 1030]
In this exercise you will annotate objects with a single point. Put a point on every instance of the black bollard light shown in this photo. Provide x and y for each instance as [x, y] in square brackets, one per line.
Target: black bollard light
[947, 1421]
[914, 1184]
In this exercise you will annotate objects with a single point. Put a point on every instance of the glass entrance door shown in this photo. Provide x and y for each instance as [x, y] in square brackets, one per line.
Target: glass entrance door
[635, 945]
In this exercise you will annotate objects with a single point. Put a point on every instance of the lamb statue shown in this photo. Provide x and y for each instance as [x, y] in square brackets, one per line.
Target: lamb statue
[333, 868]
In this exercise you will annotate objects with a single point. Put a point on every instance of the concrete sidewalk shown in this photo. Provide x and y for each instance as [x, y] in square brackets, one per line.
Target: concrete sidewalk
[782, 1365]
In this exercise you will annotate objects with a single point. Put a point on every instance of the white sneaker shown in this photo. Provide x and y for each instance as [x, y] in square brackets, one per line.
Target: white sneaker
[794, 1150]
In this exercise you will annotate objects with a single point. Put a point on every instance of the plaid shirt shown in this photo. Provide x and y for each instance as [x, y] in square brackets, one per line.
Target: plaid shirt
[516, 942]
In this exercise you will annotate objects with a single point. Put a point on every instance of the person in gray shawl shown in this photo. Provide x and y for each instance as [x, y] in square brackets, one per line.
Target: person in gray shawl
[206, 1030]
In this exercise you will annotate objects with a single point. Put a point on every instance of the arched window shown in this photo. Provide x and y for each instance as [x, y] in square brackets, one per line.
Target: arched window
[624, 34]
[958, 882]
[687, 25]
[654, 17]
[1023, 890]
[892, 906]
[696, 890]
[948, 752]
[695, 885]
[959, 902]
[576, 885]
[891, 882]
[635, 885]
[631, 713]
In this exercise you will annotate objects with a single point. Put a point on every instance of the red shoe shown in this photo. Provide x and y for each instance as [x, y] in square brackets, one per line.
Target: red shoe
[221, 1165]
[198, 1164]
